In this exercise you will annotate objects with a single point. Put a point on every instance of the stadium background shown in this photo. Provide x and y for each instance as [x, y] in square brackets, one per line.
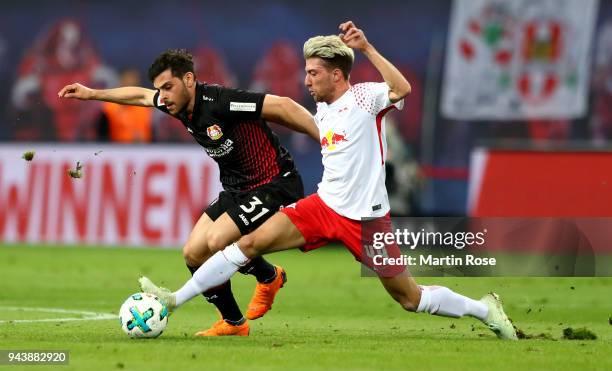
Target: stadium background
[149, 194]
[261, 50]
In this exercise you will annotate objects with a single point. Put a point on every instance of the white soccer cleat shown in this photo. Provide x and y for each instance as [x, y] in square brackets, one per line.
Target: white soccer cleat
[165, 295]
[497, 320]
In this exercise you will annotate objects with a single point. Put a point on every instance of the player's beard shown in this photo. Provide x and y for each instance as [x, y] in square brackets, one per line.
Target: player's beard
[325, 92]
[183, 100]
[323, 96]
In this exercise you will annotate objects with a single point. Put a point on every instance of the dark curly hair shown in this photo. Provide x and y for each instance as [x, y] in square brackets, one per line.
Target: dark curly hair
[179, 61]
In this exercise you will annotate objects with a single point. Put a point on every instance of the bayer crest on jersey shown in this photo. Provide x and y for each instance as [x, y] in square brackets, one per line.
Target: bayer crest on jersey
[214, 132]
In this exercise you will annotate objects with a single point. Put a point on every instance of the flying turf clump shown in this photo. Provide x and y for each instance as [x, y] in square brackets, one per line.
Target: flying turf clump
[77, 172]
[525, 336]
[28, 155]
[578, 334]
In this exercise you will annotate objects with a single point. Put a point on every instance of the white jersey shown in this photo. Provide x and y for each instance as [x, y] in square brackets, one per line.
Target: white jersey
[354, 149]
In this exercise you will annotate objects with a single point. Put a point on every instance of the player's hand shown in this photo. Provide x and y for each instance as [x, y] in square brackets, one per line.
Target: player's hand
[76, 91]
[352, 36]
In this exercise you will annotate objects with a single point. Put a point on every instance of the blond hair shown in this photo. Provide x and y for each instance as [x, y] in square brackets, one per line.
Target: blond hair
[332, 50]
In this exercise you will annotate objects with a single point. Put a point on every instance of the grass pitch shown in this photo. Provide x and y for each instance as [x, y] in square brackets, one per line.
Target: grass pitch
[326, 317]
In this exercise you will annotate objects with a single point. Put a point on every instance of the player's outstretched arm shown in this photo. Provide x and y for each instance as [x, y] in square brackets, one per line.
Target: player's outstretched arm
[287, 112]
[130, 95]
[354, 38]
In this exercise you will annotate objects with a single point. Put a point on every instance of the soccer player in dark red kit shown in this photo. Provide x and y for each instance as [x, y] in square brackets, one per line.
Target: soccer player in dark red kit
[257, 173]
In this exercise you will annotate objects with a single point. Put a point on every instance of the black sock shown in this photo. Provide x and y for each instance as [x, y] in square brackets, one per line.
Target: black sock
[261, 269]
[223, 298]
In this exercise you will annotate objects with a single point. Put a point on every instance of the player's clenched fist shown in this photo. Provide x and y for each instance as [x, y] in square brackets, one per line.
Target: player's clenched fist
[75, 90]
[352, 36]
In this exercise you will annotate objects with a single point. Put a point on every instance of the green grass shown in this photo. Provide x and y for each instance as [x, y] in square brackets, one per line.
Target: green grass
[327, 317]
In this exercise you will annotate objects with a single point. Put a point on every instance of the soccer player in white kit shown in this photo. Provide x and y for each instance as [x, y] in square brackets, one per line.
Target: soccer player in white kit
[351, 122]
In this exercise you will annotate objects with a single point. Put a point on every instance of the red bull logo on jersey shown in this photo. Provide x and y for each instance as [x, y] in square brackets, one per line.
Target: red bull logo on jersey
[214, 132]
[331, 139]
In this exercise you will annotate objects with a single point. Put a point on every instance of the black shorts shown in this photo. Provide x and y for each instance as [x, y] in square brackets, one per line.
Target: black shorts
[252, 208]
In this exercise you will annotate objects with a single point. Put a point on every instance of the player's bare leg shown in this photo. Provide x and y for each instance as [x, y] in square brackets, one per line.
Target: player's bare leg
[442, 301]
[221, 233]
[277, 234]
[404, 290]
[209, 237]
[196, 250]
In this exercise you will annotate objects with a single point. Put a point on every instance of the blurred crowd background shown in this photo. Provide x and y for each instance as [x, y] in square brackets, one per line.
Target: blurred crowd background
[257, 46]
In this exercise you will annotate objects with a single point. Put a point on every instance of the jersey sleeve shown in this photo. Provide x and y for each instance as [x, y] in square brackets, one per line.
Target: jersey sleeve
[235, 105]
[374, 97]
[159, 104]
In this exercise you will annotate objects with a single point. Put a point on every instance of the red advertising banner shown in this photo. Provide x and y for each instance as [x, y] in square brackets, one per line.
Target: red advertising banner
[127, 195]
[528, 183]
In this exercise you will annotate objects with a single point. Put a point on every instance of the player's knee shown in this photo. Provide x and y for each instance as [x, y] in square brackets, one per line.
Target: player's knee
[215, 240]
[191, 259]
[410, 301]
[195, 255]
[406, 300]
[409, 305]
[247, 245]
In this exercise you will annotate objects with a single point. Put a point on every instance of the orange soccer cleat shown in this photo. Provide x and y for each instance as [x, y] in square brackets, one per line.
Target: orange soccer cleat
[262, 299]
[222, 328]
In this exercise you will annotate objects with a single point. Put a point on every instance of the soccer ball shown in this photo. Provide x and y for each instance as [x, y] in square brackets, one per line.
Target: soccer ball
[143, 315]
